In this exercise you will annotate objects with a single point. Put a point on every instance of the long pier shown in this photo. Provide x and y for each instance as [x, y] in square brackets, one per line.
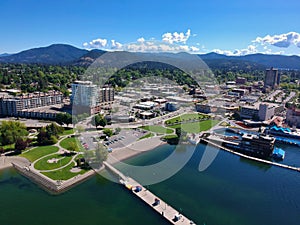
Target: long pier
[157, 204]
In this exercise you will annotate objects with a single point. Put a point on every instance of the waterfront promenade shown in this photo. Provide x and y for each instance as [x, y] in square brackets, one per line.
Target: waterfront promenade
[157, 204]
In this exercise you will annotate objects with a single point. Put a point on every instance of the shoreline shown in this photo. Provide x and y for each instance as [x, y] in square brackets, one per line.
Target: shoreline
[135, 149]
[22, 165]
[7, 162]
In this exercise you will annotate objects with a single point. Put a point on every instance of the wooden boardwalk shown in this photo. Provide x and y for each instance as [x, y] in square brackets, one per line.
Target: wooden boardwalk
[165, 210]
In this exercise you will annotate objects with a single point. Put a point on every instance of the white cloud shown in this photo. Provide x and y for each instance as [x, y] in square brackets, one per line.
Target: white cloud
[156, 46]
[280, 40]
[97, 43]
[251, 49]
[116, 45]
[141, 39]
[194, 49]
[176, 37]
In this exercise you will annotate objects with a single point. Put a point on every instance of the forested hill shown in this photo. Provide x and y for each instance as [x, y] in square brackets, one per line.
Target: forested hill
[278, 61]
[56, 54]
[62, 54]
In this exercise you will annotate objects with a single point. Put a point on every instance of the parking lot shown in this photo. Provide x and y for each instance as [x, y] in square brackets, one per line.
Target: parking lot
[89, 140]
[124, 138]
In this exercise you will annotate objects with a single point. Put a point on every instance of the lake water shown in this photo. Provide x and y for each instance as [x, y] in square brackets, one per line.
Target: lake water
[232, 191]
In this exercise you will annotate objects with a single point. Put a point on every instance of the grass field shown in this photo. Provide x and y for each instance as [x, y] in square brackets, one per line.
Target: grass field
[187, 117]
[8, 147]
[196, 127]
[42, 164]
[68, 131]
[158, 129]
[67, 142]
[147, 136]
[38, 152]
[63, 174]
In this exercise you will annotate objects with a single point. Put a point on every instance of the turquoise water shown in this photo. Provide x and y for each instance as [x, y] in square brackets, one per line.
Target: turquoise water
[231, 191]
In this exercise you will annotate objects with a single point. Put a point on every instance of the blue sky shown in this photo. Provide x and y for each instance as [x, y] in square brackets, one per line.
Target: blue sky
[233, 27]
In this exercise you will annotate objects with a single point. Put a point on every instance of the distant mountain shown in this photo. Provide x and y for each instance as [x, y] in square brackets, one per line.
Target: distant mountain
[53, 54]
[4, 55]
[278, 61]
[62, 54]
[88, 58]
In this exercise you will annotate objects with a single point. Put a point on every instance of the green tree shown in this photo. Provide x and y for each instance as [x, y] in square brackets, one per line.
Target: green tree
[102, 122]
[101, 153]
[11, 131]
[108, 132]
[20, 145]
[99, 120]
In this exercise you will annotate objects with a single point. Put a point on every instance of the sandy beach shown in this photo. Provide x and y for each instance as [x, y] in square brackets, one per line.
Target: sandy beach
[134, 149]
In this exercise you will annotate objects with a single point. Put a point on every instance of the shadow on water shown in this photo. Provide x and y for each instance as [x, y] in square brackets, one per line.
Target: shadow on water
[259, 165]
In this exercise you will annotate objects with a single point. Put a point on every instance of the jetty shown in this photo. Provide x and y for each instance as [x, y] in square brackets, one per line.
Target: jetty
[156, 203]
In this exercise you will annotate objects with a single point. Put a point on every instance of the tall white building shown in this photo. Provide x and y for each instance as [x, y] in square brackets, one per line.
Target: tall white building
[90, 98]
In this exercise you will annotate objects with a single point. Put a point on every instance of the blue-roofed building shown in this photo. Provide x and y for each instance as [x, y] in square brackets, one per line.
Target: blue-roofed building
[278, 153]
[282, 132]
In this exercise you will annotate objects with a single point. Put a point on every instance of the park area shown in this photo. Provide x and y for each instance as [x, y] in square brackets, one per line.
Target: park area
[158, 129]
[57, 162]
[192, 122]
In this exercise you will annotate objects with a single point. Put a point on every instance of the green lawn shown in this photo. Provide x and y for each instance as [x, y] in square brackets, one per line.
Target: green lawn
[146, 136]
[187, 117]
[67, 142]
[63, 174]
[38, 152]
[158, 129]
[170, 136]
[197, 127]
[8, 147]
[68, 131]
[42, 164]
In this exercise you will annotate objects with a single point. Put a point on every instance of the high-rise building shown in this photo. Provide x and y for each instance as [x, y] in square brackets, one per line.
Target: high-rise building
[89, 98]
[272, 78]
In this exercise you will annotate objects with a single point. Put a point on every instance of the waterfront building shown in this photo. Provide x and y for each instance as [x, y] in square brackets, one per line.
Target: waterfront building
[261, 146]
[272, 78]
[33, 105]
[282, 132]
[89, 98]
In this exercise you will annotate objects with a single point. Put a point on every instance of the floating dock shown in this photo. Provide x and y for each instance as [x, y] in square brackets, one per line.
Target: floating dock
[157, 204]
